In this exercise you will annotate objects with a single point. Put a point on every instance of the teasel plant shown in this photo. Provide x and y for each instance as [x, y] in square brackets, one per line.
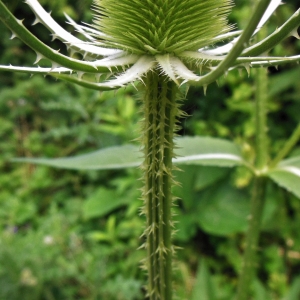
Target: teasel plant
[159, 46]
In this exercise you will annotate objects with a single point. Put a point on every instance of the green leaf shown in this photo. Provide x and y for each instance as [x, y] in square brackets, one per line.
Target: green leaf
[203, 289]
[194, 178]
[208, 151]
[186, 226]
[102, 202]
[191, 151]
[294, 291]
[207, 176]
[259, 291]
[109, 158]
[279, 83]
[185, 191]
[287, 175]
[223, 210]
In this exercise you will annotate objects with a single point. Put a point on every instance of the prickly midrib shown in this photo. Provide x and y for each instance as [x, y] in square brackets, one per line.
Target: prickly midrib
[160, 111]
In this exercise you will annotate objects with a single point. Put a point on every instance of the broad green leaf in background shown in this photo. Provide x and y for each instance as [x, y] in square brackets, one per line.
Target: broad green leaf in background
[203, 288]
[287, 175]
[194, 178]
[185, 191]
[109, 235]
[279, 83]
[208, 151]
[102, 202]
[259, 291]
[223, 210]
[125, 156]
[294, 291]
[191, 150]
[208, 175]
[186, 226]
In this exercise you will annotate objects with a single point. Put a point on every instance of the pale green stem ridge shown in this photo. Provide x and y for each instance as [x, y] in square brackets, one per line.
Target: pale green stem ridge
[160, 112]
[238, 47]
[287, 148]
[259, 187]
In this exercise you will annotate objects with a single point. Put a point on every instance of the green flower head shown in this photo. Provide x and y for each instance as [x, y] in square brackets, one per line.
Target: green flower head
[161, 26]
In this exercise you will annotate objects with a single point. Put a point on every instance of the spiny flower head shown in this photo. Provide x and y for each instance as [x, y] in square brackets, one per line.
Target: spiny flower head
[160, 26]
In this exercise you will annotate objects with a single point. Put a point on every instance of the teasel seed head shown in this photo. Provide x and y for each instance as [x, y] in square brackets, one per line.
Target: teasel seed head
[160, 26]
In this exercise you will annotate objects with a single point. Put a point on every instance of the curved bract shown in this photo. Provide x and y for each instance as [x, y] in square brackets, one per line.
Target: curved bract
[130, 38]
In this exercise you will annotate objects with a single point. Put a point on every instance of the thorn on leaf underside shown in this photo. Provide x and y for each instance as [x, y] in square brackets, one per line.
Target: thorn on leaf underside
[54, 36]
[54, 66]
[20, 22]
[36, 21]
[72, 52]
[38, 57]
[240, 72]
[247, 67]
[97, 77]
[200, 69]
[80, 74]
[204, 89]
[295, 34]
[13, 35]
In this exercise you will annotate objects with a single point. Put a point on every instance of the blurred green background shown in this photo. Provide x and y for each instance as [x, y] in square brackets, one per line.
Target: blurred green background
[74, 234]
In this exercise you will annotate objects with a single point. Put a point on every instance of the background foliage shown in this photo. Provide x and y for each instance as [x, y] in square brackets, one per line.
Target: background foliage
[74, 234]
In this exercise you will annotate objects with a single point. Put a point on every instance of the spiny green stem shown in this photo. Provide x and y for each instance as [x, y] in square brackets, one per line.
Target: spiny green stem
[258, 194]
[160, 112]
[288, 146]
